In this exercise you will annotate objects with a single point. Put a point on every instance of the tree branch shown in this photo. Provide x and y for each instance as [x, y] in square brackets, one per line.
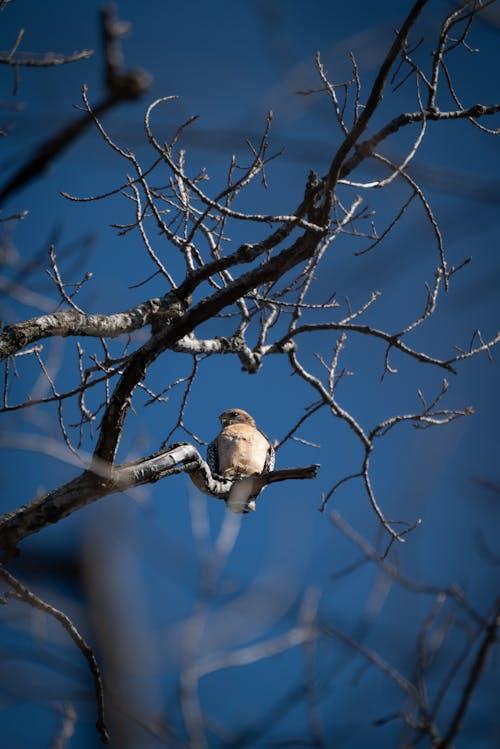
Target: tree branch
[104, 480]
[72, 323]
[489, 638]
[122, 86]
[27, 595]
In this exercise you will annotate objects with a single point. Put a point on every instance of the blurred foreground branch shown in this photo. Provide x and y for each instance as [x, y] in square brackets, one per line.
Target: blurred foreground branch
[122, 85]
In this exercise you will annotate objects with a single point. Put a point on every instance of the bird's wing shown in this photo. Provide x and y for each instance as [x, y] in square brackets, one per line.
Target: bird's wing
[213, 457]
[270, 458]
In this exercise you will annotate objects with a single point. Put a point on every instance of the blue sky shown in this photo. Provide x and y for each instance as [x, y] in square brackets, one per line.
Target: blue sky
[136, 559]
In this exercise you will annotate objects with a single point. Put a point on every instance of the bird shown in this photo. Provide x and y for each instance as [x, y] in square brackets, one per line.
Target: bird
[241, 452]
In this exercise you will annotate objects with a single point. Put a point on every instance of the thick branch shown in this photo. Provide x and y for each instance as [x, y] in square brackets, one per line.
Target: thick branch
[72, 323]
[86, 488]
[106, 480]
[250, 359]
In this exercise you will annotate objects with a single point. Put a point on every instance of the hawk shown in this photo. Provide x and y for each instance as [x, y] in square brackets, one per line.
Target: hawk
[240, 451]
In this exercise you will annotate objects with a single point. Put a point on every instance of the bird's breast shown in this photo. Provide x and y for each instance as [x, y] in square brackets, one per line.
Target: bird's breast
[242, 449]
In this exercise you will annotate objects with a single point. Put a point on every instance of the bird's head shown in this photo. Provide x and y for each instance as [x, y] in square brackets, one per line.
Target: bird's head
[235, 416]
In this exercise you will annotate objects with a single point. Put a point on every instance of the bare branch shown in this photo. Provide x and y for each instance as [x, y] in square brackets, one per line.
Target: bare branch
[22, 592]
[488, 640]
[104, 480]
[75, 323]
[44, 60]
[122, 86]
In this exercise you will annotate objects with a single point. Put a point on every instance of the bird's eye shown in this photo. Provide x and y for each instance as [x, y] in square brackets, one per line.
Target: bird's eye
[234, 413]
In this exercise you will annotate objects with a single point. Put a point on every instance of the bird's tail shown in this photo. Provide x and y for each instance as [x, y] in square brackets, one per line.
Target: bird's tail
[240, 497]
